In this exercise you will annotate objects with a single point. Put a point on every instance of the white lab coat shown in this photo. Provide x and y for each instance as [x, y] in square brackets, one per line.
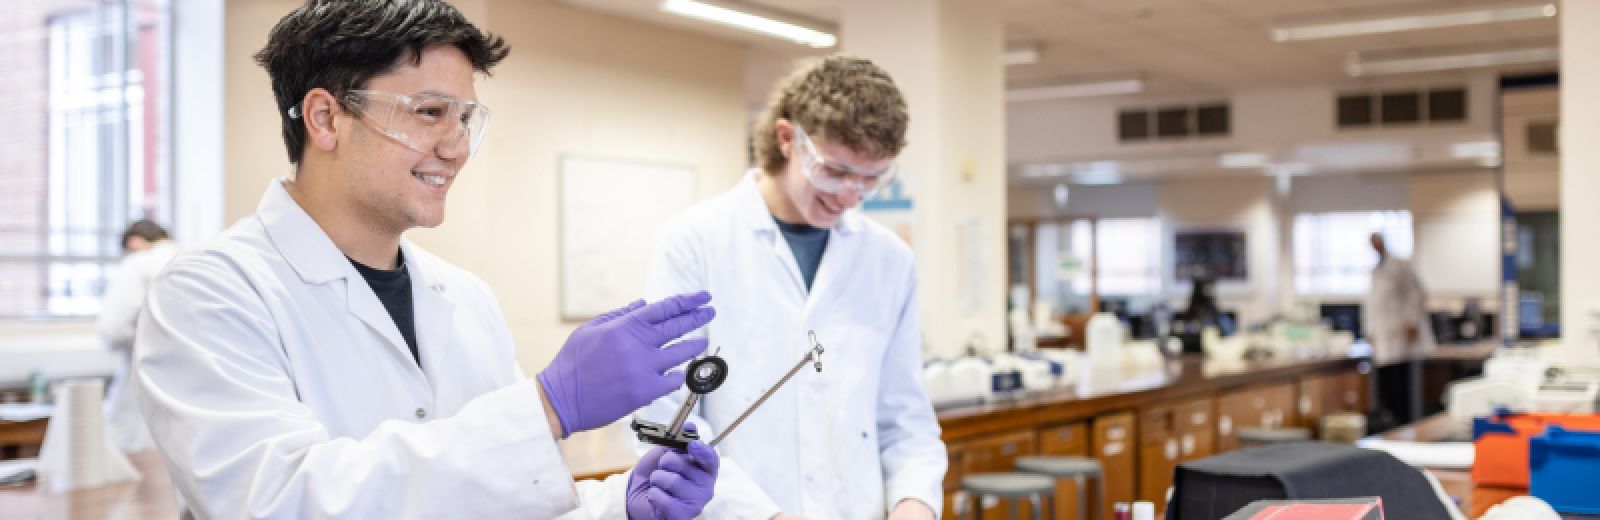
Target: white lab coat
[276, 385]
[1396, 301]
[849, 442]
[119, 312]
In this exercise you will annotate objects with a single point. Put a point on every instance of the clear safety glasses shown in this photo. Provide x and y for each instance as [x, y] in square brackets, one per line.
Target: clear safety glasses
[834, 177]
[423, 123]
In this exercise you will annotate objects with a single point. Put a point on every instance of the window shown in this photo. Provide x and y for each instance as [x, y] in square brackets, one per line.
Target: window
[1332, 253]
[1129, 255]
[1063, 264]
[91, 149]
[1125, 254]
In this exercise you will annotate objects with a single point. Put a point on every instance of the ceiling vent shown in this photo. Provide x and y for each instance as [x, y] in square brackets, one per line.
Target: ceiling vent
[1401, 107]
[1211, 119]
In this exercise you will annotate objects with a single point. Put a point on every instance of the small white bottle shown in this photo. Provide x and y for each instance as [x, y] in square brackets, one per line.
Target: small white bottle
[1144, 510]
[1103, 340]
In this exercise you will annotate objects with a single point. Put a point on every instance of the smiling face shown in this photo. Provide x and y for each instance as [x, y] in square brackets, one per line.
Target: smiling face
[812, 206]
[395, 187]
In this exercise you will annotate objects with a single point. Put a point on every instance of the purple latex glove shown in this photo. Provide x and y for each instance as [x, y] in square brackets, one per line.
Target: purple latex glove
[671, 485]
[613, 365]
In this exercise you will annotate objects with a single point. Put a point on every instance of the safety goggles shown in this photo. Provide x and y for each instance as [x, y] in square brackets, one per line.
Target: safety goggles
[835, 177]
[423, 123]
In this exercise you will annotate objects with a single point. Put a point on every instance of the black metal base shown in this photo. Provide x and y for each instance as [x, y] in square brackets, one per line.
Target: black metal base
[656, 433]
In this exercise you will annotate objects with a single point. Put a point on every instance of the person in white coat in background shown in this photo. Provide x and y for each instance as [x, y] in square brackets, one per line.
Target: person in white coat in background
[1395, 321]
[786, 252]
[149, 248]
[312, 363]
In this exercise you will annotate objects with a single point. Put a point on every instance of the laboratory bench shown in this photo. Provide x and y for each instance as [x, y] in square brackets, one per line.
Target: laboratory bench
[1139, 422]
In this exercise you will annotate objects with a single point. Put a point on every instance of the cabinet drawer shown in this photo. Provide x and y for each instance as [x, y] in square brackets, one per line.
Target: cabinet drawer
[1067, 439]
[1157, 423]
[1114, 442]
[997, 453]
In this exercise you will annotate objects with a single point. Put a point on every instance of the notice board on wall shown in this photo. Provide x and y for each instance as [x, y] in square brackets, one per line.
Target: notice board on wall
[613, 212]
[1217, 254]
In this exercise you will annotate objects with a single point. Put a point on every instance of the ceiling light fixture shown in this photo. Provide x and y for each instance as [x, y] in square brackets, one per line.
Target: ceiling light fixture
[1028, 55]
[1413, 22]
[1358, 68]
[750, 22]
[1074, 90]
[1241, 160]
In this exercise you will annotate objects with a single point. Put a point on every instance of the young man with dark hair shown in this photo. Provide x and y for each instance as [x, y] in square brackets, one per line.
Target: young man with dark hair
[787, 254]
[312, 363]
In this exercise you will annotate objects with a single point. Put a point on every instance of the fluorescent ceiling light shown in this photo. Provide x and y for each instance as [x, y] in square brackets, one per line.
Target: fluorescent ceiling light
[1241, 160]
[1413, 22]
[1126, 86]
[1288, 169]
[1087, 173]
[1358, 68]
[1022, 56]
[750, 22]
[1475, 150]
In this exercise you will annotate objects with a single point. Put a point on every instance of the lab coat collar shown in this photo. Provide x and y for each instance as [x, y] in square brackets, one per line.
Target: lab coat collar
[753, 209]
[308, 250]
[304, 245]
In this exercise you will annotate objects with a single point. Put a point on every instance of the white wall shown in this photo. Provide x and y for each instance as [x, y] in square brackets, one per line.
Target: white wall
[1533, 182]
[575, 81]
[1580, 216]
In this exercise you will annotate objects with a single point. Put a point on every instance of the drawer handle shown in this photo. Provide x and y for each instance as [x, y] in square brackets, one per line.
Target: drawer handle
[1225, 425]
[1305, 405]
[1112, 449]
[1172, 449]
[1188, 444]
[1116, 433]
[1199, 418]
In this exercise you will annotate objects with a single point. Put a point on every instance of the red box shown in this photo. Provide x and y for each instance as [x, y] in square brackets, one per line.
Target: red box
[1500, 444]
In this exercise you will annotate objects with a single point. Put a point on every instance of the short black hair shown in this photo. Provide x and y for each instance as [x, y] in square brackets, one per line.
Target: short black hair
[339, 45]
[146, 229]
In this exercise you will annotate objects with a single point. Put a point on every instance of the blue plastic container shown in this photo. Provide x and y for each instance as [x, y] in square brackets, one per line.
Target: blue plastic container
[1563, 465]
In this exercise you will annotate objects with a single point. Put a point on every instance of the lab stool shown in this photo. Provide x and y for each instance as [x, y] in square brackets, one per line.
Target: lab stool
[1011, 486]
[1252, 436]
[1078, 469]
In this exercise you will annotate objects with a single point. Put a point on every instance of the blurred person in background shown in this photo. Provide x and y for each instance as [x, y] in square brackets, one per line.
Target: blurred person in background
[1395, 322]
[148, 248]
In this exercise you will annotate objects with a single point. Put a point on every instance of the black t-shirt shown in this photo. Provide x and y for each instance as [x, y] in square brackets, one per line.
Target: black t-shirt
[394, 290]
[807, 243]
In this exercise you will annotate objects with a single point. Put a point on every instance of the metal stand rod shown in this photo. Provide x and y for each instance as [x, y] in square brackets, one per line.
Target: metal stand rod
[814, 354]
[683, 415]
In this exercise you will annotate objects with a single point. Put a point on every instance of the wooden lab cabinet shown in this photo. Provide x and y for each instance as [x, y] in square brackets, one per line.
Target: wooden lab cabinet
[1312, 401]
[1271, 406]
[992, 454]
[1115, 444]
[1347, 392]
[1141, 436]
[1066, 440]
[1171, 435]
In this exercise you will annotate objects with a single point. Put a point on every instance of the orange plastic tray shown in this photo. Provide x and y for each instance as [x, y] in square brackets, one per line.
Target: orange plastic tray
[1500, 444]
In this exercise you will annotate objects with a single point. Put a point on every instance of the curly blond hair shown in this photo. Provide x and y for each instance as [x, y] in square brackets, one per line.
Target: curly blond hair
[844, 99]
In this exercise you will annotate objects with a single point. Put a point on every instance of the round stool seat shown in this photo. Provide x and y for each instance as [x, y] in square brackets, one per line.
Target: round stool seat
[1273, 435]
[1008, 485]
[1059, 466]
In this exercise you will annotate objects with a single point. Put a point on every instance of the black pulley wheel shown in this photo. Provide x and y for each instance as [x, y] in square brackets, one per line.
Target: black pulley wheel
[706, 374]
